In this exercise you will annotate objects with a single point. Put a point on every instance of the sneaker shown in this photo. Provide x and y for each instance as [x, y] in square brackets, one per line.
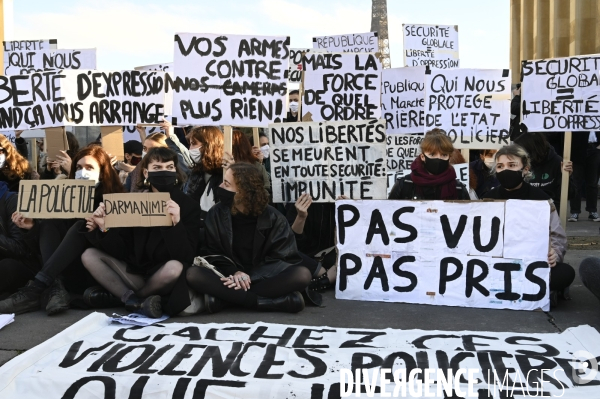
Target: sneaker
[573, 218]
[594, 217]
[27, 299]
[59, 298]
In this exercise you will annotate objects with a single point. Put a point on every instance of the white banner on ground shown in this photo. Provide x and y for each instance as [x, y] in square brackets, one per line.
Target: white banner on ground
[471, 105]
[403, 99]
[26, 62]
[349, 43]
[230, 79]
[327, 160]
[443, 253]
[561, 94]
[435, 46]
[81, 97]
[95, 359]
[341, 87]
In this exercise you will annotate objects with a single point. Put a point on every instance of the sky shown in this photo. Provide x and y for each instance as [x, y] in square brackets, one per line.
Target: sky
[131, 33]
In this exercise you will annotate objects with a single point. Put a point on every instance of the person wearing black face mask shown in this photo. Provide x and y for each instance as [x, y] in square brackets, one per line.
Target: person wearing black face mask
[512, 168]
[431, 176]
[139, 265]
[252, 246]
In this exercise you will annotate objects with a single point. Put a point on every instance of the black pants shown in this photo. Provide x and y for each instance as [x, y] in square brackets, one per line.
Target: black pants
[589, 272]
[586, 173]
[61, 245]
[294, 278]
[561, 276]
[15, 274]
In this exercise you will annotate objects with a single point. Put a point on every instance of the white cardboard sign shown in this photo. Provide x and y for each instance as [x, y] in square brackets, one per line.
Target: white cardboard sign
[349, 43]
[26, 62]
[403, 99]
[435, 46]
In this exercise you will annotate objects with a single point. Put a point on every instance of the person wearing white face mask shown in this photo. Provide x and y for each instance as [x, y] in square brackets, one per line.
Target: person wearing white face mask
[294, 101]
[60, 242]
[206, 150]
[482, 168]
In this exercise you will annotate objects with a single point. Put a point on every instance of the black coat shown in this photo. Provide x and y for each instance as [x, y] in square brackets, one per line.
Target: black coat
[146, 249]
[404, 189]
[274, 242]
[12, 244]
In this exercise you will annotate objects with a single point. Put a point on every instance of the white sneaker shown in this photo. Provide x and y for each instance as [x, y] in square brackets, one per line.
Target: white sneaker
[573, 218]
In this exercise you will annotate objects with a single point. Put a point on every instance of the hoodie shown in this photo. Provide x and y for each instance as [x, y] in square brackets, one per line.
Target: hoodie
[547, 175]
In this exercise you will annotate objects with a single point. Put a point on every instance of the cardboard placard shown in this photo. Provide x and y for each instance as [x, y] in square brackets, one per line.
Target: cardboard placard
[432, 252]
[435, 46]
[350, 43]
[136, 210]
[112, 141]
[403, 99]
[56, 141]
[56, 199]
[561, 94]
[327, 160]
[471, 105]
[341, 86]
[230, 79]
[26, 62]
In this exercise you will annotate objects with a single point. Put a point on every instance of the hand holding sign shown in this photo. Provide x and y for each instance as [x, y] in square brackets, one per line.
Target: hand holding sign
[302, 204]
[258, 153]
[18, 133]
[64, 161]
[174, 210]
[167, 127]
[552, 257]
[227, 160]
[98, 216]
[90, 224]
[22, 222]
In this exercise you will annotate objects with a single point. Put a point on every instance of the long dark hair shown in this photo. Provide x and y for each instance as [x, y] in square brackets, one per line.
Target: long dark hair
[251, 193]
[536, 145]
[109, 179]
[211, 138]
[242, 149]
[160, 154]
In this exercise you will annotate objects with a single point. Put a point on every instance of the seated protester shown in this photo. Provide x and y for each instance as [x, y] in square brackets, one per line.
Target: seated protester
[13, 166]
[294, 101]
[512, 169]
[315, 232]
[59, 241]
[456, 158]
[589, 272]
[206, 149]
[154, 140]
[141, 264]
[242, 152]
[482, 169]
[133, 155]
[546, 164]
[62, 164]
[254, 249]
[18, 264]
[431, 177]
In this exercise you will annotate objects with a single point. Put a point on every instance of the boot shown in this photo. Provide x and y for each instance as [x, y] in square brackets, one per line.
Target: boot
[320, 283]
[150, 307]
[27, 299]
[291, 303]
[553, 299]
[98, 298]
[213, 304]
[59, 298]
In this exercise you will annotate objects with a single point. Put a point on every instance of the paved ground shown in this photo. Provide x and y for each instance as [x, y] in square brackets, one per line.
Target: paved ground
[31, 329]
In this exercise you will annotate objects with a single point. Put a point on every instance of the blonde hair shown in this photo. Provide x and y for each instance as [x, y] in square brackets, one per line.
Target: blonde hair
[16, 166]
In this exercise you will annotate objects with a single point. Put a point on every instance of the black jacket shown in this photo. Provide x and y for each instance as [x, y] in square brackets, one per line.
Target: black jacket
[11, 236]
[274, 242]
[404, 189]
[319, 228]
[485, 181]
[579, 146]
[547, 175]
[146, 249]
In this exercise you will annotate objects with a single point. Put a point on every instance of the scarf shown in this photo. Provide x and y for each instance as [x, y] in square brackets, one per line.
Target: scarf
[446, 181]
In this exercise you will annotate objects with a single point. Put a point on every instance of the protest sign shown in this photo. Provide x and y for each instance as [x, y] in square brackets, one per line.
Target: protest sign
[350, 43]
[403, 99]
[435, 46]
[56, 199]
[81, 97]
[402, 151]
[444, 253]
[561, 94]
[341, 87]
[136, 210]
[327, 160]
[471, 105]
[112, 141]
[164, 67]
[56, 141]
[230, 79]
[94, 358]
[462, 173]
[167, 68]
[295, 66]
[29, 45]
[26, 62]
[10, 135]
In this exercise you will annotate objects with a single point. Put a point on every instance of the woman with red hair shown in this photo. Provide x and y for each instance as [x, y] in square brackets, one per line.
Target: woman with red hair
[243, 152]
[59, 240]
